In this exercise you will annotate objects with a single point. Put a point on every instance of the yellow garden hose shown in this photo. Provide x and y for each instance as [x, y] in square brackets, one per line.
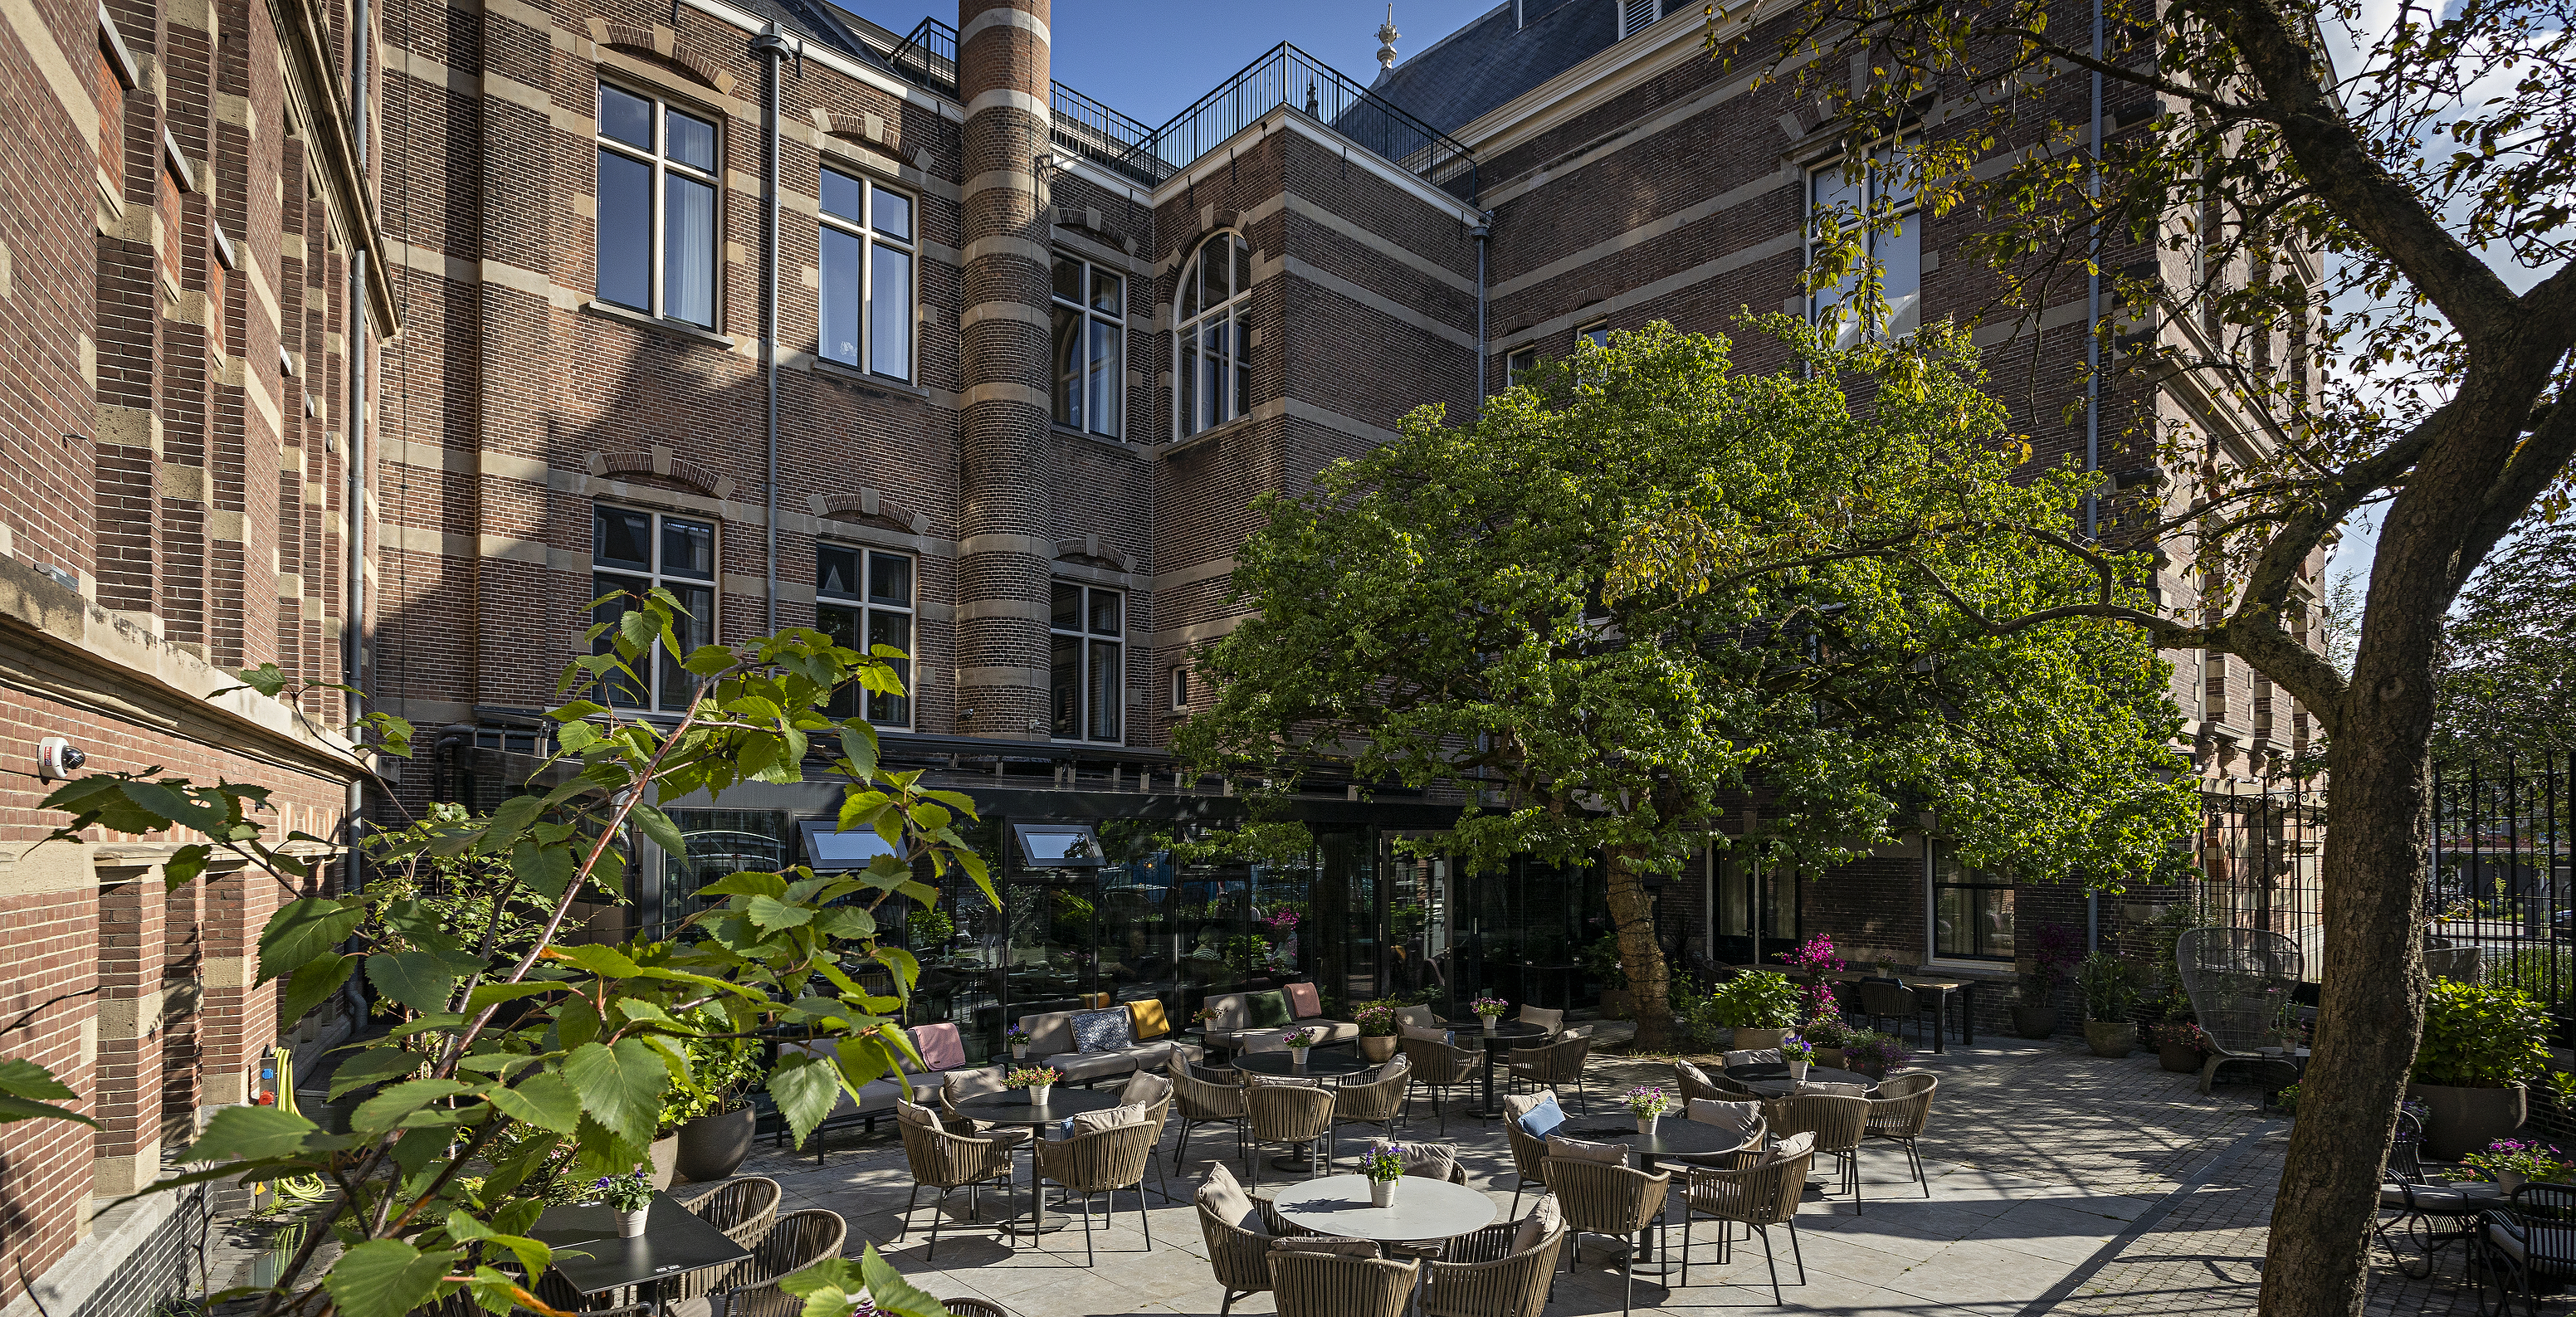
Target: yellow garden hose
[309, 1188]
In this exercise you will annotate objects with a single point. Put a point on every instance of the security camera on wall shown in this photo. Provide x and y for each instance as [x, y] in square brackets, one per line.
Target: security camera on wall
[57, 759]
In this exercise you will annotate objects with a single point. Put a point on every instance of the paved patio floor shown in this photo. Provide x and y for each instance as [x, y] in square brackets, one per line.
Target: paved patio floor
[2059, 1183]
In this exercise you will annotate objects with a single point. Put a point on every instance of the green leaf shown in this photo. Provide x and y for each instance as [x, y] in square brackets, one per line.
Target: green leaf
[906, 967]
[804, 1087]
[313, 983]
[184, 866]
[620, 1087]
[891, 1292]
[547, 870]
[606, 962]
[708, 660]
[510, 819]
[486, 994]
[421, 980]
[844, 921]
[385, 1278]
[387, 1109]
[246, 1134]
[545, 1101]
[374, 1066]
[301, 931]
[18, 1108]
[747, 884]
[658, 828]
[26, 1079]
[770, 914]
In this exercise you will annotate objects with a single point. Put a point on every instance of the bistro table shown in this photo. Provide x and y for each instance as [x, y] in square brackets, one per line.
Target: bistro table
[1422, 1210]
[1321, 1065]
[1501, 1039]
[1674, 1137]
[1771, 1079]
[1011, 1106]
[592, 1259]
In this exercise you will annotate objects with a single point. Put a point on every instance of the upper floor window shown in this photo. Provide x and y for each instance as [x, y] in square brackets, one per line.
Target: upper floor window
[1087, 664]
[1881, 295]
[863, 599]
[658, 185]
[1521, 361]
[867, 244]
[1214, 371]
[1090, 345]
[1597, 333]
[1972, 911]
[632, 552]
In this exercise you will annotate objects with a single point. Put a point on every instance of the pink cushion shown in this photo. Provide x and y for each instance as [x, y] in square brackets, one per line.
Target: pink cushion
[940, 1047]
[1303, 1001]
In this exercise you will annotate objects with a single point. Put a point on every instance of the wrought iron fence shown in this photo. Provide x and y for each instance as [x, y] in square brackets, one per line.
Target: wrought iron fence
[928, 56]
[1104, 136]
[1291, 77]
[2261, 855]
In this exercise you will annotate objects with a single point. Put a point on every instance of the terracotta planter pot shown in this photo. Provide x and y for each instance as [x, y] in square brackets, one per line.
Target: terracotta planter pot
[1755, 1040]
[2111, 1038]
[713, 1147]
[2179, 1059]
[2033, 1021]
[1378, 1049]
[2466, 1120]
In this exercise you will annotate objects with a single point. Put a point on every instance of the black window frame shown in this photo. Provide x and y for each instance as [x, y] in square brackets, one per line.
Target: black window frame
[858, 615]
[664, 679]
[1934, 854]
[1092, 704]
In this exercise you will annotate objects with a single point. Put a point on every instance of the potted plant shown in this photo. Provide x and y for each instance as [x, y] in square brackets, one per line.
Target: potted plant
[1829, 1035]
[1490, 1010]
[1037, 1079]
[1020, 1038]
[2510, 1162]
[1809, 964]
[1648, 1105]
[2103, 980]
[1761, 1006]
[1384, 1165]
[2053, 952]
[1298, 1040]
[2180, 1046]
[630, 1196]
[1377, 1029]
[928, 928]
[2481, 1045]
[1874, 1054]
[1205, 1017]
[1600, 960]
[714, 1121]
[1799, 1054]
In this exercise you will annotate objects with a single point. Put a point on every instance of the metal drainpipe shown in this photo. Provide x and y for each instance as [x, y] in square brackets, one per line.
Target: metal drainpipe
[771, 47]
[1483, 233]
[2093, 303]
[354, 578]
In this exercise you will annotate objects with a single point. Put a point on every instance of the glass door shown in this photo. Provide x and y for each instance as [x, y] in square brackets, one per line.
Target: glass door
[1757, 911]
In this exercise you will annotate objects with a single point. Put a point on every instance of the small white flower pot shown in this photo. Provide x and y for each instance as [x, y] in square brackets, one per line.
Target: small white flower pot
[1491, 1021]
[1797, 1072]
[1646, 1124]
[631, 1224]
[1038, 1094]
[1381, 1193]
[1019, 1051]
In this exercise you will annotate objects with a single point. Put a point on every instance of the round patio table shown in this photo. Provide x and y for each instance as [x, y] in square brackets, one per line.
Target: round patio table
[1773, 1080]
[1502, 1038]
[1674, 1137]
[1012, 1107]
[1423, 1209]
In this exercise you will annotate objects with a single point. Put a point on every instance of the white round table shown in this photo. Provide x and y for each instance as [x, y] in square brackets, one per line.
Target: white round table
[1423, 1209]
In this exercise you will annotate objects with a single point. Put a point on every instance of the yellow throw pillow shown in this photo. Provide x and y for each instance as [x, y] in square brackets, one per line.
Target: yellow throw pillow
[1149, 1019]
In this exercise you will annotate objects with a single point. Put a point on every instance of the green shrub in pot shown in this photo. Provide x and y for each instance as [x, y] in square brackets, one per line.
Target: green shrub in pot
[2480, 1035]
[1757, 999]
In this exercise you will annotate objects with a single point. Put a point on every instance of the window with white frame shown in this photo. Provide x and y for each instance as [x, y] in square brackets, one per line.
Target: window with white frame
[1086, 664]
[1519, 362]
[1881, 295]
[633, 551]
[863, 599]
[1598, 332]
[866, 246]
[1180, 688]
[1972, 911]
[659, 182]
[1090, 345]
[1212, 370]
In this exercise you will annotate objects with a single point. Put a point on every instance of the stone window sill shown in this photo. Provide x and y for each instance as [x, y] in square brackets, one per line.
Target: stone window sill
[642, 320]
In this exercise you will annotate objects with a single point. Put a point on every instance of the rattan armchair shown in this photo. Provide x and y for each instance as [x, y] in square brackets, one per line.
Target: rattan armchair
[1239, 1257]
[1695, 1083]
[1885, 998]
[1438, 1068]
[1478, 1275]
[795, 1241]
[1554, 1066]
[949, 1162]
[964, 1084]
[744, 1210]
[1602, 1199]
[1762, 1195]
[1200, 1102]
[1897, 1115]
[1552, 1021]
[1380, 1102]
[1529, 1153]
[1837, 1122]
[1331, 1285]
[1102, 1162]
[1279, 1113]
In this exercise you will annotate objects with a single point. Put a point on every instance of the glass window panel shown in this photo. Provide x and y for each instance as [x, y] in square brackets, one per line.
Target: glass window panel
[620, 538]
[836, 571]
[1068, 366]
[893, 630]
[1104, 613]
[693, 141]
[1900, 257]
[1108, 349]
[1065, 614]
[1107, 680]
[842, 278]
[1242, 392]
[842, 625]
[1518, 364]
[625, 117]
[624, 692]
[894, 214]
[1217, 274]
[1734, 898]
[1212, 389]
[689, 253]
[1241, 262]
[1108, 292]
[1780, 915]
[688, 549]
[690, 627]
[1188, 374]
[1064, 687]
[1068, 279]
[845, 197]
[625, 231]
[890, 579]
[890, 313]
[1190, 286]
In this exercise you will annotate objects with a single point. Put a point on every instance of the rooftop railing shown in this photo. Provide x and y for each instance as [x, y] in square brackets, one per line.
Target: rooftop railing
[1083, 126]
[1291, 77]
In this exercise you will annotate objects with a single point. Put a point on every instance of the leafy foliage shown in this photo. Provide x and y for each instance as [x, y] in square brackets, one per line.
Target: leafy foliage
[2109, 986]
[1757, 999]
[2509, 669]
[2480, 1036]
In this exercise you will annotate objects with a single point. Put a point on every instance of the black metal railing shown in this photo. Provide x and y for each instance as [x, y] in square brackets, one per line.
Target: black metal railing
[1291, 77]
[928, 56]
[2500, 875]
[1102, 135]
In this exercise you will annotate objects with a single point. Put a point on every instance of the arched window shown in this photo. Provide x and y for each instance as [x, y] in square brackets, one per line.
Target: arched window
[1214, 369]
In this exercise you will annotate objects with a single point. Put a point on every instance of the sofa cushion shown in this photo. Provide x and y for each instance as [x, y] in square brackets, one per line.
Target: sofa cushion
[1050, 1032]
[1440, 1036]
[1418, 1017]
[939, 1045]
[1304, 1003]
[1081, 1067]
[1269, 1009]
[1231, 1013]
[1147, 1018]
[1101, 1031]
[913, 1113]
[1223, 1197]
[1614, 1154]
[1733, 1117]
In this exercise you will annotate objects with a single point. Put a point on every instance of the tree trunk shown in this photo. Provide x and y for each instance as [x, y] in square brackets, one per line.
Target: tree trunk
[1632, 915]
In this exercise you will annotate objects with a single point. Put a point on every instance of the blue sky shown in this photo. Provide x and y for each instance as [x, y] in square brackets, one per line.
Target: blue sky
[1152, 58]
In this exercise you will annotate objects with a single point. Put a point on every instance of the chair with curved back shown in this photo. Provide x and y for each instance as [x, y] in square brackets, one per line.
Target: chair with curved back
[1332, 1285]
[1438, 1068]
[1201, 1102]
[949, 1162]
[1102, 1162]
[2239, 981]
[795, 1241]
[2419, 1198]
[1898, 1114]
[1602, 1199]
[1883, 998]
[1760, 1196]
[1837, 1122]
[743, 1209]
[1695, 1083]
[1478, 1274]
[1379, 1102]
[1529, 1152]
[1554, 1065]
[1288, 1114]
[2525, 1243]
[1240, 1257]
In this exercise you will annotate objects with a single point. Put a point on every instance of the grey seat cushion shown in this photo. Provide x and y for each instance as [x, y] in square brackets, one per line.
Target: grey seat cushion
[2557, 1244]
[2438, 1199]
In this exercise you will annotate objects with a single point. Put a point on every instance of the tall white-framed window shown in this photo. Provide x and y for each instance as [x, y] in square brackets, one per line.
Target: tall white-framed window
[1212, 368]
[1879, 204]
[1087, 664]
[863, 598]
[659, 187]
[1090, 345]
[1180, 688]
[633, 551]
[866, 243]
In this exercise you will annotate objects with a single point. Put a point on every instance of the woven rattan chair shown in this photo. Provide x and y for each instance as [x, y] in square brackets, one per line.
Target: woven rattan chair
[1886, 998]
[2419, 1199]
[1602, 1199]
[1762, 1195]
[1331, 1285]
[1201, 1102]
[1241, 1258]
[1438, 1068]
[1552, 1021]
[2526, 1243]
[796, 1241]
[1529, 1155]
[1478, 1275]
[1706, 1087]
[1837, 1122]
[744, 1210]
[949, 1162]
[1897, 1115]
[1380, 1102]
[964, 1084]
[2239, 981]
[1554, 1066]
[974, 1308]
[1102, 1162]
[1278, 1113]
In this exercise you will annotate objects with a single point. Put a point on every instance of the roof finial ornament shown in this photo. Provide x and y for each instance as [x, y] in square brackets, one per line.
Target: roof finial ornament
[1386, 35]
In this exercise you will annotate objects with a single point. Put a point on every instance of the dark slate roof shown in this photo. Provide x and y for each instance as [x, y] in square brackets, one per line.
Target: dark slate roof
[1466, 74]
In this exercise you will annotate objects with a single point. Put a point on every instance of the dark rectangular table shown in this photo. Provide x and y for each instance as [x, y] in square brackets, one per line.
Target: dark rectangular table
[592, 1259]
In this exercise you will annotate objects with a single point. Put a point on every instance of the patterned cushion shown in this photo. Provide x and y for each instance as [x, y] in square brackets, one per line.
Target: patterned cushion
[1268, 1008]
[1149, 1021]
[1101, 1031]
[1304, 1002]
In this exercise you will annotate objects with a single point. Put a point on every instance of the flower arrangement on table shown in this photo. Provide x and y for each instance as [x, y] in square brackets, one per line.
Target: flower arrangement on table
[1298, 1040]
[632, 1192]
[2511, 1161]
[1032, 1076]
[1376, 1020]
[1796, 1050]
[1205, 1016]
[1383, 1163]
[1647, 1103]
[1019, 1039]
[1489, 1008]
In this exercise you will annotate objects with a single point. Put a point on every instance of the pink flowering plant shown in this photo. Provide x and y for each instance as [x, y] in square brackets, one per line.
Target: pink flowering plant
[1299, 1040]
[1489, 1007]
[1281, 922]
[2531, 1161]
[1038, 1075]
[1648, 1103]
[1876, 1054]
[1812, 962]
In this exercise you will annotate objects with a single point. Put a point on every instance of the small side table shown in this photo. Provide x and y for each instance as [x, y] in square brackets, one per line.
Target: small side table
[1499, 1041]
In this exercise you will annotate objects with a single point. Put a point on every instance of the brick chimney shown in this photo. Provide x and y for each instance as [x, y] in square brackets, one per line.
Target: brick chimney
[1006, 531]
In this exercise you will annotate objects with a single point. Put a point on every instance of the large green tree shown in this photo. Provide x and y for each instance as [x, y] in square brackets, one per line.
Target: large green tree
[2509, 655]
[1443, 612]
[2380, 193]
